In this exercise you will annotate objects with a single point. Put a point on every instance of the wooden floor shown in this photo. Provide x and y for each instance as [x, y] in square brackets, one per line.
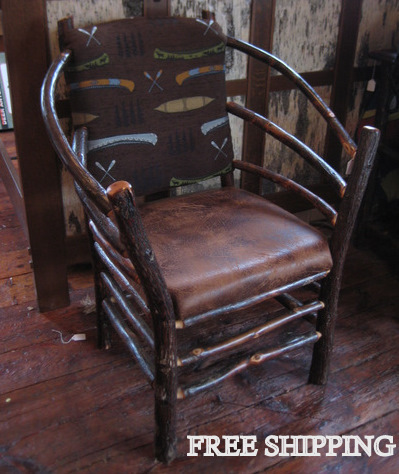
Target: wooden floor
[73, 408]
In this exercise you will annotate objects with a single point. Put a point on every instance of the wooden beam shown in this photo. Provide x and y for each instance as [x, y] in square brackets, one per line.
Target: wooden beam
[314, 78]
[25, 34]
[156, 8]
[343, 72]
[257, 94]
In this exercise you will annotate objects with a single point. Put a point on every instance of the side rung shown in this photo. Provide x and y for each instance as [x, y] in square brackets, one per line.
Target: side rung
[123, 281]
[256, 359]
[254, 333]
[129, 338]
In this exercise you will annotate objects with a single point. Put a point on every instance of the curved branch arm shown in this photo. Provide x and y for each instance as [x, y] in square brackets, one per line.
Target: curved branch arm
[316, 201]
[79, 145]
[280, 66]
[59, 140]
[292, 142]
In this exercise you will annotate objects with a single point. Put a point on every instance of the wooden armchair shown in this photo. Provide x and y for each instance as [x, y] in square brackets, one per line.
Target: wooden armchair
[199, 286]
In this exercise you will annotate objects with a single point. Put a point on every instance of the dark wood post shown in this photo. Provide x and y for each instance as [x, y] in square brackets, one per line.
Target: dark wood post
[143, 258]
[343, 73]
[25, 34]
[348, 211]
[257, 96]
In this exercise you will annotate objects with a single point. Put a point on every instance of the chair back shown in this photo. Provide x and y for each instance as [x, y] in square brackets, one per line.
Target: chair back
[151, 93]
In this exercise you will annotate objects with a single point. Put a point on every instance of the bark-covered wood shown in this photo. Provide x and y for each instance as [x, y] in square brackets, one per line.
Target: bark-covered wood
[108, 228]
[60, 142]
[219, 375]
[310, 93]
[113, 253]
[138, 323]
[160, 303]
[129, 338]
[292, 142]
[349, 208]
[122, 279]
[254, 333]
[290, 185]
[251, 301]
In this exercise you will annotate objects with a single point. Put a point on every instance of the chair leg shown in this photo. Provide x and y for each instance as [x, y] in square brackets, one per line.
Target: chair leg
[326, 326]
[165, 423]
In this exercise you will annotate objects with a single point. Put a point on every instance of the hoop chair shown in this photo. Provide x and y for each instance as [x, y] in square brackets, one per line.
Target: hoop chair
[188, 281]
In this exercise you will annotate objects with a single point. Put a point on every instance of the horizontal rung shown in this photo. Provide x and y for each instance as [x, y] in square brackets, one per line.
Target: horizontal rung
[256, 359]
[288, 301]
[199, 318]
[201, 353]
[129, 338]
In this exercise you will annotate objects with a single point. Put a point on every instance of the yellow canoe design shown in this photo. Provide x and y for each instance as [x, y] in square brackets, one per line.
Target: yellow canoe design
[79, 118]
[184, 104]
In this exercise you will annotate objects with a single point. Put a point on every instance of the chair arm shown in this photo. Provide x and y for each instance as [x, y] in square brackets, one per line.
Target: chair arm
[280, 66]
[292, 142]
[316, 201]
[59, 140]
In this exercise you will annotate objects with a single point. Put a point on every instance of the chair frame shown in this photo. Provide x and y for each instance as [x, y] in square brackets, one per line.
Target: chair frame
[124, 257]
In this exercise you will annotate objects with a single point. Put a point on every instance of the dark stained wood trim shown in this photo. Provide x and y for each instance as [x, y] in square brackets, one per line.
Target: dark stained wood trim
[237, 87]
[77, 249]
[261, 34]
[156, 8]
[343, 72]
[25, 33]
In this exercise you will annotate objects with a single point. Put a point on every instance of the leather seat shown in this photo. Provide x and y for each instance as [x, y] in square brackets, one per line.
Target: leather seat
[224, 246]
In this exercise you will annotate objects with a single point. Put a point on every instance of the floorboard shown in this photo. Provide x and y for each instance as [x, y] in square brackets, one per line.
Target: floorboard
[70, 407]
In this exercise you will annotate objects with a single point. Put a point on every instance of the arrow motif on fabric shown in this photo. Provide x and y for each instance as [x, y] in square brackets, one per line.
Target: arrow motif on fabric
[106, 171]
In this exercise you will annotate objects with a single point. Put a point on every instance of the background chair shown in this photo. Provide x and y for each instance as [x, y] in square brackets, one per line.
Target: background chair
[202, 285]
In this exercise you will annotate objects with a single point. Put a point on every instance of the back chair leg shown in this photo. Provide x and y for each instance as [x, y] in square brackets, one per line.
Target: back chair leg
[325, 325]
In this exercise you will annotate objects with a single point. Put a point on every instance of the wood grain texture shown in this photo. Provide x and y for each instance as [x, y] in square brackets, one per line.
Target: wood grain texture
[24, 30]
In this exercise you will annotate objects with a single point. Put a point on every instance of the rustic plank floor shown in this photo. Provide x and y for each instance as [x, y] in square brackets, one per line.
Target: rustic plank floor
[73, 408]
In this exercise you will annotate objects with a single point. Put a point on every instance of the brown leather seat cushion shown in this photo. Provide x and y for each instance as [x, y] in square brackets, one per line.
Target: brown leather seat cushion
[222, 246]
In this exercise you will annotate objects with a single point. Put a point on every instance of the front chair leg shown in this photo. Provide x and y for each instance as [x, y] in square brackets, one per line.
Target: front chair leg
[134, 237]
[165, 422]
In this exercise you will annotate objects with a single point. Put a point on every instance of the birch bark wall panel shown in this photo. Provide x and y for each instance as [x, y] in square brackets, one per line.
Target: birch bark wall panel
[305, 37]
